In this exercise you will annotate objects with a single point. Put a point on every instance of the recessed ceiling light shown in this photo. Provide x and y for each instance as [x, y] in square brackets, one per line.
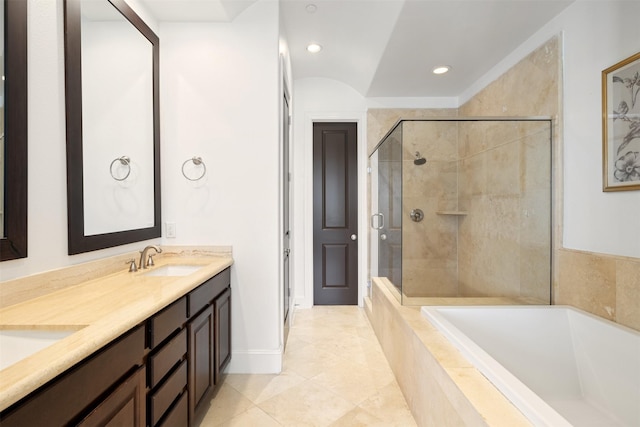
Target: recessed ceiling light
[311, 8]
[441, 69]
[314, 48]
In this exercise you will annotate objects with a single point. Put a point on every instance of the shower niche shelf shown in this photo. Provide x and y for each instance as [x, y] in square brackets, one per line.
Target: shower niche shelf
[458, 213]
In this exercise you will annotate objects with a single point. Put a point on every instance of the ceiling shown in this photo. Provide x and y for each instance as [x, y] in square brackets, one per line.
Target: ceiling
[387, 48]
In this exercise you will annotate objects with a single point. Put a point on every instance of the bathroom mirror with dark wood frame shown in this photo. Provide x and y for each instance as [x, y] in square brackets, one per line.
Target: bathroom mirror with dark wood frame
[78, 145]
[13, 239]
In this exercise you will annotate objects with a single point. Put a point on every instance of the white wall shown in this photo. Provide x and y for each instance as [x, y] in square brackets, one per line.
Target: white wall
[47, 198]
[220, 93]
[219, 100]
[597, 34]
[319, 99]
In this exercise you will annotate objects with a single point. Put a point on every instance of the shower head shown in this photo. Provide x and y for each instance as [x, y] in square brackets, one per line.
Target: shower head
[419, 160]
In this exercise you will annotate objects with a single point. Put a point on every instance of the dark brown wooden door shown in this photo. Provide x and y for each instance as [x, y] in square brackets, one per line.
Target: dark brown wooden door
[335, 214]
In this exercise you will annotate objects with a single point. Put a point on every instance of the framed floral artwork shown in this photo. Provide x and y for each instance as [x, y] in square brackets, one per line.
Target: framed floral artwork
[621, 125]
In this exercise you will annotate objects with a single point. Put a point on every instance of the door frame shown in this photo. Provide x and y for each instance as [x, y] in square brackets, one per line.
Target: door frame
[286, 213]
[359, 118]
[285, 92]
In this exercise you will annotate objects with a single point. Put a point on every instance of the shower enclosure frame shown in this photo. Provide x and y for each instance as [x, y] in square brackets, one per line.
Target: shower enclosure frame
[457, 215]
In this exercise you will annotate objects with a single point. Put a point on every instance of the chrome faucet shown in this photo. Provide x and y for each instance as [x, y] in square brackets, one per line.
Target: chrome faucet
[145, 258]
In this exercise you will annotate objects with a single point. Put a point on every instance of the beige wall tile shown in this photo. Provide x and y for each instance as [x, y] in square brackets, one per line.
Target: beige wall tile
[380, 120]
[628, 293]
[587, 281]
[535, 272]
[503, 170]
[536, 161]
[529, 88]
[435, 140]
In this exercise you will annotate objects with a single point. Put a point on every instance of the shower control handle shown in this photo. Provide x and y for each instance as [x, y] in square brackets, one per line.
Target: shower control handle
[354, 237]
[416, 215]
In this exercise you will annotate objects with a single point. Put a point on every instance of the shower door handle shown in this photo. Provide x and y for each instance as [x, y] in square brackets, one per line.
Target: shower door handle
[381, 222]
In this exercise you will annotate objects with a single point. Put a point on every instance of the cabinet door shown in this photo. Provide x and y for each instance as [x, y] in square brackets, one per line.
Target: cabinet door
[124, 407]
[200, 330]
[222, 310]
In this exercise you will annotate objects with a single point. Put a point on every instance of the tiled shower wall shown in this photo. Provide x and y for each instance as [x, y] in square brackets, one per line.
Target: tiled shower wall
[504, 240]
[485, 196]
[430, 247]
[606, 285]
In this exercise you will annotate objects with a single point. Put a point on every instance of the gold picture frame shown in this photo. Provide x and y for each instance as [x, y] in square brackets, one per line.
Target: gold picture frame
[621, 125]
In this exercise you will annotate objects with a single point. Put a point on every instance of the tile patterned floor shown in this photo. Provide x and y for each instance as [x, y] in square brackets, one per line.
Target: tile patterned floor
[334, 374]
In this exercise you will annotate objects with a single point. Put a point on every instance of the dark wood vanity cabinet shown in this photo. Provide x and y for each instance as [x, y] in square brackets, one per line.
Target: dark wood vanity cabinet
[167, 366]
[161, 373]
[208, 338]
[222, 345]
[191, 345]
[107, 386]
[124, 407]
[201, 374]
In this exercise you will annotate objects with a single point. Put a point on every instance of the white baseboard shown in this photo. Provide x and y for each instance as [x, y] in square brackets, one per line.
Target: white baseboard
[303, 303]
[255, 362]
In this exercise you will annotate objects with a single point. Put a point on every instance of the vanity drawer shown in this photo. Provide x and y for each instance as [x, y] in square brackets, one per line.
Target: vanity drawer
[168, 392]
[160, 363]
[178, 415]
[221, 281]
[200, 297]
[166, 322]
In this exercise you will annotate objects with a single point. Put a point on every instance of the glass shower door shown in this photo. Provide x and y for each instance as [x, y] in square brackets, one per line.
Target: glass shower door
[389, 233]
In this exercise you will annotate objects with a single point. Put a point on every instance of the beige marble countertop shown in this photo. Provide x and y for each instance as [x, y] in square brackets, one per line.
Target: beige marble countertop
[98, 310]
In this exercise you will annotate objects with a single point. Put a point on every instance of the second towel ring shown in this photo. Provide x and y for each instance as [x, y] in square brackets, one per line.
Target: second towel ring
[124, 161]
[198, 162]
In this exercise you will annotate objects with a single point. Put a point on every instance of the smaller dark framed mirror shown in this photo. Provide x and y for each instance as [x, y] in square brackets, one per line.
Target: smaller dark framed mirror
[113, 131]
[13, 170]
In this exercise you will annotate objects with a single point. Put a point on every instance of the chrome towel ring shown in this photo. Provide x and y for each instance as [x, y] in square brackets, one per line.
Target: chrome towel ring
[197, 161]
[125, 161]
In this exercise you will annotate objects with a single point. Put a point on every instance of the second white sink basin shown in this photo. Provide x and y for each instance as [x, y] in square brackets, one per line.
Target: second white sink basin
[18, 344]
[173, 270]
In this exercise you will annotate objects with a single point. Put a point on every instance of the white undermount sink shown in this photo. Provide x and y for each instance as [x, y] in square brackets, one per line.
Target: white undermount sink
[173, 270]
[17, 344]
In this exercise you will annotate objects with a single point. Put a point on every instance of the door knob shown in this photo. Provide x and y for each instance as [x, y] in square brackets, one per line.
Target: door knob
[354, 237]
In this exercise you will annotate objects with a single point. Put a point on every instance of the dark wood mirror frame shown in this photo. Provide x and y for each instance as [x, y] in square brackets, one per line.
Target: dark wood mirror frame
[14, 244]
[78, 242]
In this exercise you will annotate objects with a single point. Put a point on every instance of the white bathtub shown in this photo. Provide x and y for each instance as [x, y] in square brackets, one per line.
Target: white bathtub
[560, 366]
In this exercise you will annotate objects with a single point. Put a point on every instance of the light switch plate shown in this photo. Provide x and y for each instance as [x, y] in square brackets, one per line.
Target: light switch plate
[170, 228]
